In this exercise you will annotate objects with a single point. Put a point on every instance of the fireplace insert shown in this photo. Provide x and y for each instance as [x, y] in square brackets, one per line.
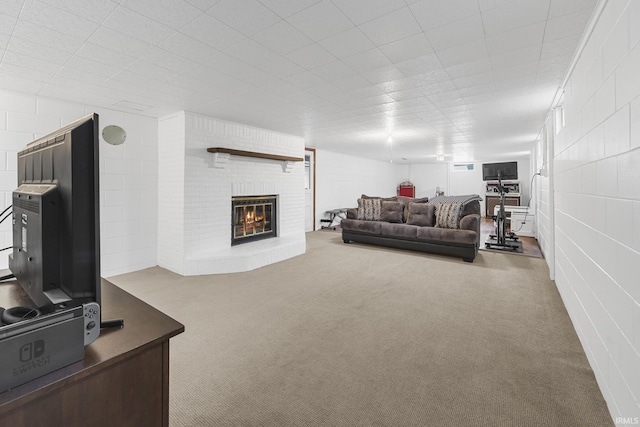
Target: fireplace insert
[253, 218]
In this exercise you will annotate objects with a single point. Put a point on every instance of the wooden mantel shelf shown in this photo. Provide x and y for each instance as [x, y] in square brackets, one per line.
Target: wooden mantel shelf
[254, 154]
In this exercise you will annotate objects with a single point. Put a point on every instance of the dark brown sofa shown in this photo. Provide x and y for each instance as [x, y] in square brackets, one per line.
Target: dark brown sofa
[413, 224]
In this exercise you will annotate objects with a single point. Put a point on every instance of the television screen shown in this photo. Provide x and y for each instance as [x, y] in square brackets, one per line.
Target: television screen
[56, 223]
[495, 171]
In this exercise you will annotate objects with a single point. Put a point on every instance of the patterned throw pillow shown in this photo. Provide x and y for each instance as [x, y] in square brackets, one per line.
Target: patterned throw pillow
[369, 209]
[448, 215]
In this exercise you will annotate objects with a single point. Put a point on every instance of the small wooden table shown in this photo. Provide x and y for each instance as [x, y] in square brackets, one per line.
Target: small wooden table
[122, 381]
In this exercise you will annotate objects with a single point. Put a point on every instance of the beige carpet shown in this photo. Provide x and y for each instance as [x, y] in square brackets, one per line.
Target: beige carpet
[358, 335]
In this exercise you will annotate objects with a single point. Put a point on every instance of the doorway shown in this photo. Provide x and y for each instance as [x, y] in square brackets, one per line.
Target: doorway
[310, 189]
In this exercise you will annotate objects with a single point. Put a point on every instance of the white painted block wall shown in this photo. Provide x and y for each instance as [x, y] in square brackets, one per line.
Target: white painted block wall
[128, 175]
[597, 205]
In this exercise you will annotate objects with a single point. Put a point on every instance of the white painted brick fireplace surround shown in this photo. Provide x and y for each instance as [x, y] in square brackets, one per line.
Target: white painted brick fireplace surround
[194, 193]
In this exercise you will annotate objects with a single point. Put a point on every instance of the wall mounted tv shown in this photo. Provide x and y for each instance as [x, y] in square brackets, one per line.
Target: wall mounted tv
[56, 222]
[495, 171]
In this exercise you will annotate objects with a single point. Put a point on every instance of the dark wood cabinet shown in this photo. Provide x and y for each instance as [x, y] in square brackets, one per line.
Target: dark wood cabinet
[122, 381]
[493, 201]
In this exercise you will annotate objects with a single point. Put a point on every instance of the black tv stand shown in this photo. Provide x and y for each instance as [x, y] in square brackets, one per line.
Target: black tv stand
[502, 240]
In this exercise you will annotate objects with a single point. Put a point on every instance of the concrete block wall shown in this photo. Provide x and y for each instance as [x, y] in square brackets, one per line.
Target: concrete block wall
[128, 175]
[341, 179]
[171, 189]
[597, 205]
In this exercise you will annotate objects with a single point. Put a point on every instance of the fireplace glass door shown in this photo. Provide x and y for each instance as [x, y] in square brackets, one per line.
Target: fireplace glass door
[253, 218]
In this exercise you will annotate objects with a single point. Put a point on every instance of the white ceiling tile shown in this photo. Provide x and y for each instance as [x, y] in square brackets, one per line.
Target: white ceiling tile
[469, 68]
[391, 27]
[306, 80]
[150, 71]
[203, 5]
[282, 38]
[572, 24]
[407, 48]
[396, 85]
[172, 13]
[559, 8]
[247, 16]
[347, 43]
[320, 21]
[286, 8]
[456, 33]
[419, 65]
[435, 13]
[167, 60]
[106, 37]
[132, 24]
[311, 56]
[513, 15]
[281, 67]
[104, 55]
[529, 35]
[47, 37]
[95, 10]
[509, 72]
[383, 74]
[91, 67]
[209, 30]
[464, 53]
[372, 58]
[50, 54]
[564, 47]
[520, 56]
[186, 47]
[39, 13]
[333, 71]
[350, 81]
[11, 72]
[492, 4]
[474, 80]
[12, 8]
[373, 9]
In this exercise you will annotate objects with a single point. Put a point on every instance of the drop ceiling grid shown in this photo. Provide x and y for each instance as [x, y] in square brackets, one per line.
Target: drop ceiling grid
[313, 63]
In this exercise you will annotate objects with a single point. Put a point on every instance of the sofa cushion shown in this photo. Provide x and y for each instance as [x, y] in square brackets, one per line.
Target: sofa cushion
[421, 214]
[391, 211]
[448, 215]
[399, 230]
[407, 201]
[371, 227]
[447, 235]
[369, 209]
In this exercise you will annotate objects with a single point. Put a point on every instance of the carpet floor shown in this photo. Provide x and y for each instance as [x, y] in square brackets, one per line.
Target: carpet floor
[359, 335]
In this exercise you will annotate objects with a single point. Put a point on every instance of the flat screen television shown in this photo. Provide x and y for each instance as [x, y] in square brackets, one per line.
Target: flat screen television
[56, 217]
[495, 171]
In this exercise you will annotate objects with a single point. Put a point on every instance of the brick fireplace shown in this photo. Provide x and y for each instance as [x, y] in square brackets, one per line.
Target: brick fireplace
[196, 189]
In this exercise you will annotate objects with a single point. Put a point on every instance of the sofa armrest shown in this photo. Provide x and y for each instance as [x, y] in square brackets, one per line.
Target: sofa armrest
[471, 222]
[352, 213]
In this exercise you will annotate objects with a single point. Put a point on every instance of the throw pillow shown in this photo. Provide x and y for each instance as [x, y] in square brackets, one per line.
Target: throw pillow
[391, 211]
[369, 209]
[448, 215]
[406, 201]
[421, 214]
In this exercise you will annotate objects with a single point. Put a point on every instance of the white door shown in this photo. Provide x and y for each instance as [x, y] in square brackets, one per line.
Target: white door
[310, 189]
